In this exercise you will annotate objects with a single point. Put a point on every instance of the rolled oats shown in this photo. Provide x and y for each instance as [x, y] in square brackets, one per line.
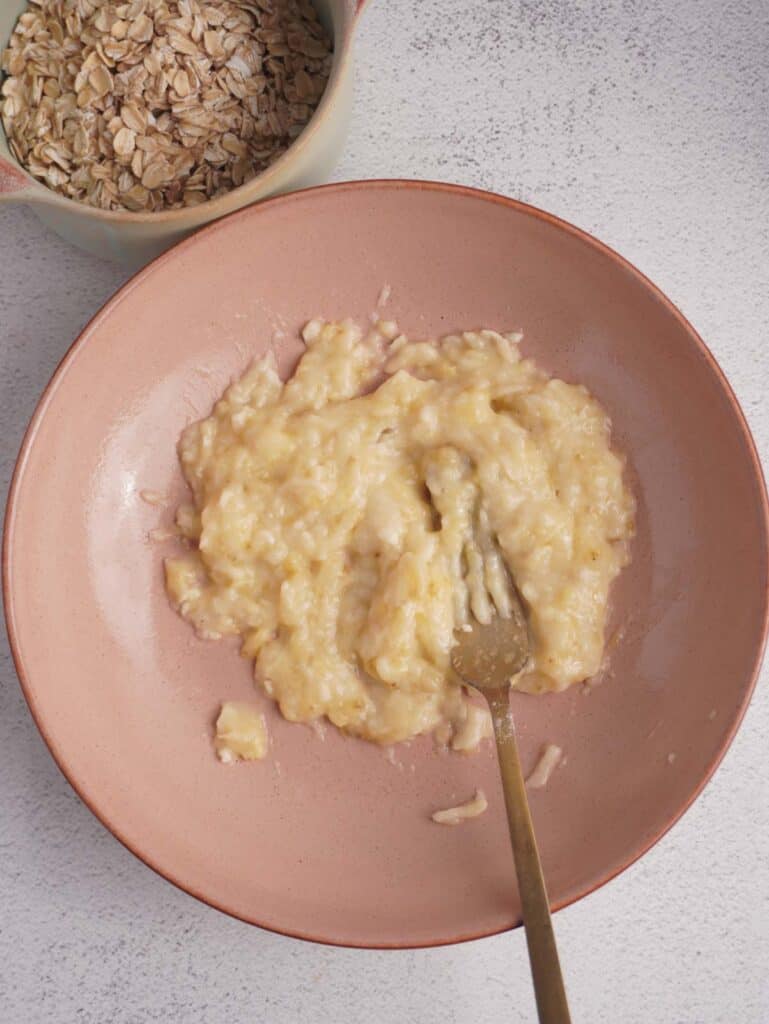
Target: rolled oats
[159, 104]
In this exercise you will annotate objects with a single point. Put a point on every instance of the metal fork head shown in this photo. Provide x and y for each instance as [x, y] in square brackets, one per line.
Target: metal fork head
[487, 656]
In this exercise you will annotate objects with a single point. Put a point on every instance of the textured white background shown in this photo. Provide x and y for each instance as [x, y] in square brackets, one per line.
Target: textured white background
[648, 125]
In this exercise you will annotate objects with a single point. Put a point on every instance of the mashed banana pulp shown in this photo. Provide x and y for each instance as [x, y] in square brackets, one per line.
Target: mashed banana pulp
[345, 523]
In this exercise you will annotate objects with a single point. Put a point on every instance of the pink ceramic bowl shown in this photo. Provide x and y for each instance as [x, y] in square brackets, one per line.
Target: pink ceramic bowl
[328, 839]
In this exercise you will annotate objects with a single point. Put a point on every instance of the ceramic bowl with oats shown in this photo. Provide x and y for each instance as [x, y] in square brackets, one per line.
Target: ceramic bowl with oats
[126, 126]
[329, 836]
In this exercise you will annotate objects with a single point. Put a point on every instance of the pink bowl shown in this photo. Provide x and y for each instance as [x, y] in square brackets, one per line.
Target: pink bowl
[328, 839]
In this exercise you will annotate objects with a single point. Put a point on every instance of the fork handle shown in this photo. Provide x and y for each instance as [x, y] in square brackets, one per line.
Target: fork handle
[549, 990]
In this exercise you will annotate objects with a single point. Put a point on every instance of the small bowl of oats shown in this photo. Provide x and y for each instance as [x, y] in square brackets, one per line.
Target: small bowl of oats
[126, 126]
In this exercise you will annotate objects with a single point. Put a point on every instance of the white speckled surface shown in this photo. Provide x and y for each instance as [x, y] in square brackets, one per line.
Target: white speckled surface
[646, 124]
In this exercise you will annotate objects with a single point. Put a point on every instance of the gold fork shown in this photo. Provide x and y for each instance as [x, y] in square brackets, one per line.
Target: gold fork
[486, 657]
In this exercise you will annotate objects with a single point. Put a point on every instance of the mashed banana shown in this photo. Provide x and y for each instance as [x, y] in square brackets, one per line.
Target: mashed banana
[241, 733]
[347, 521]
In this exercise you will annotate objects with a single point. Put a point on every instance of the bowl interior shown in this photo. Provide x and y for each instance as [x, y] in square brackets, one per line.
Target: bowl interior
[328, 838]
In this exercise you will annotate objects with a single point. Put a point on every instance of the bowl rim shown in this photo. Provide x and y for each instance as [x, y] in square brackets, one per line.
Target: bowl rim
[35, 191]
[134, 281]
